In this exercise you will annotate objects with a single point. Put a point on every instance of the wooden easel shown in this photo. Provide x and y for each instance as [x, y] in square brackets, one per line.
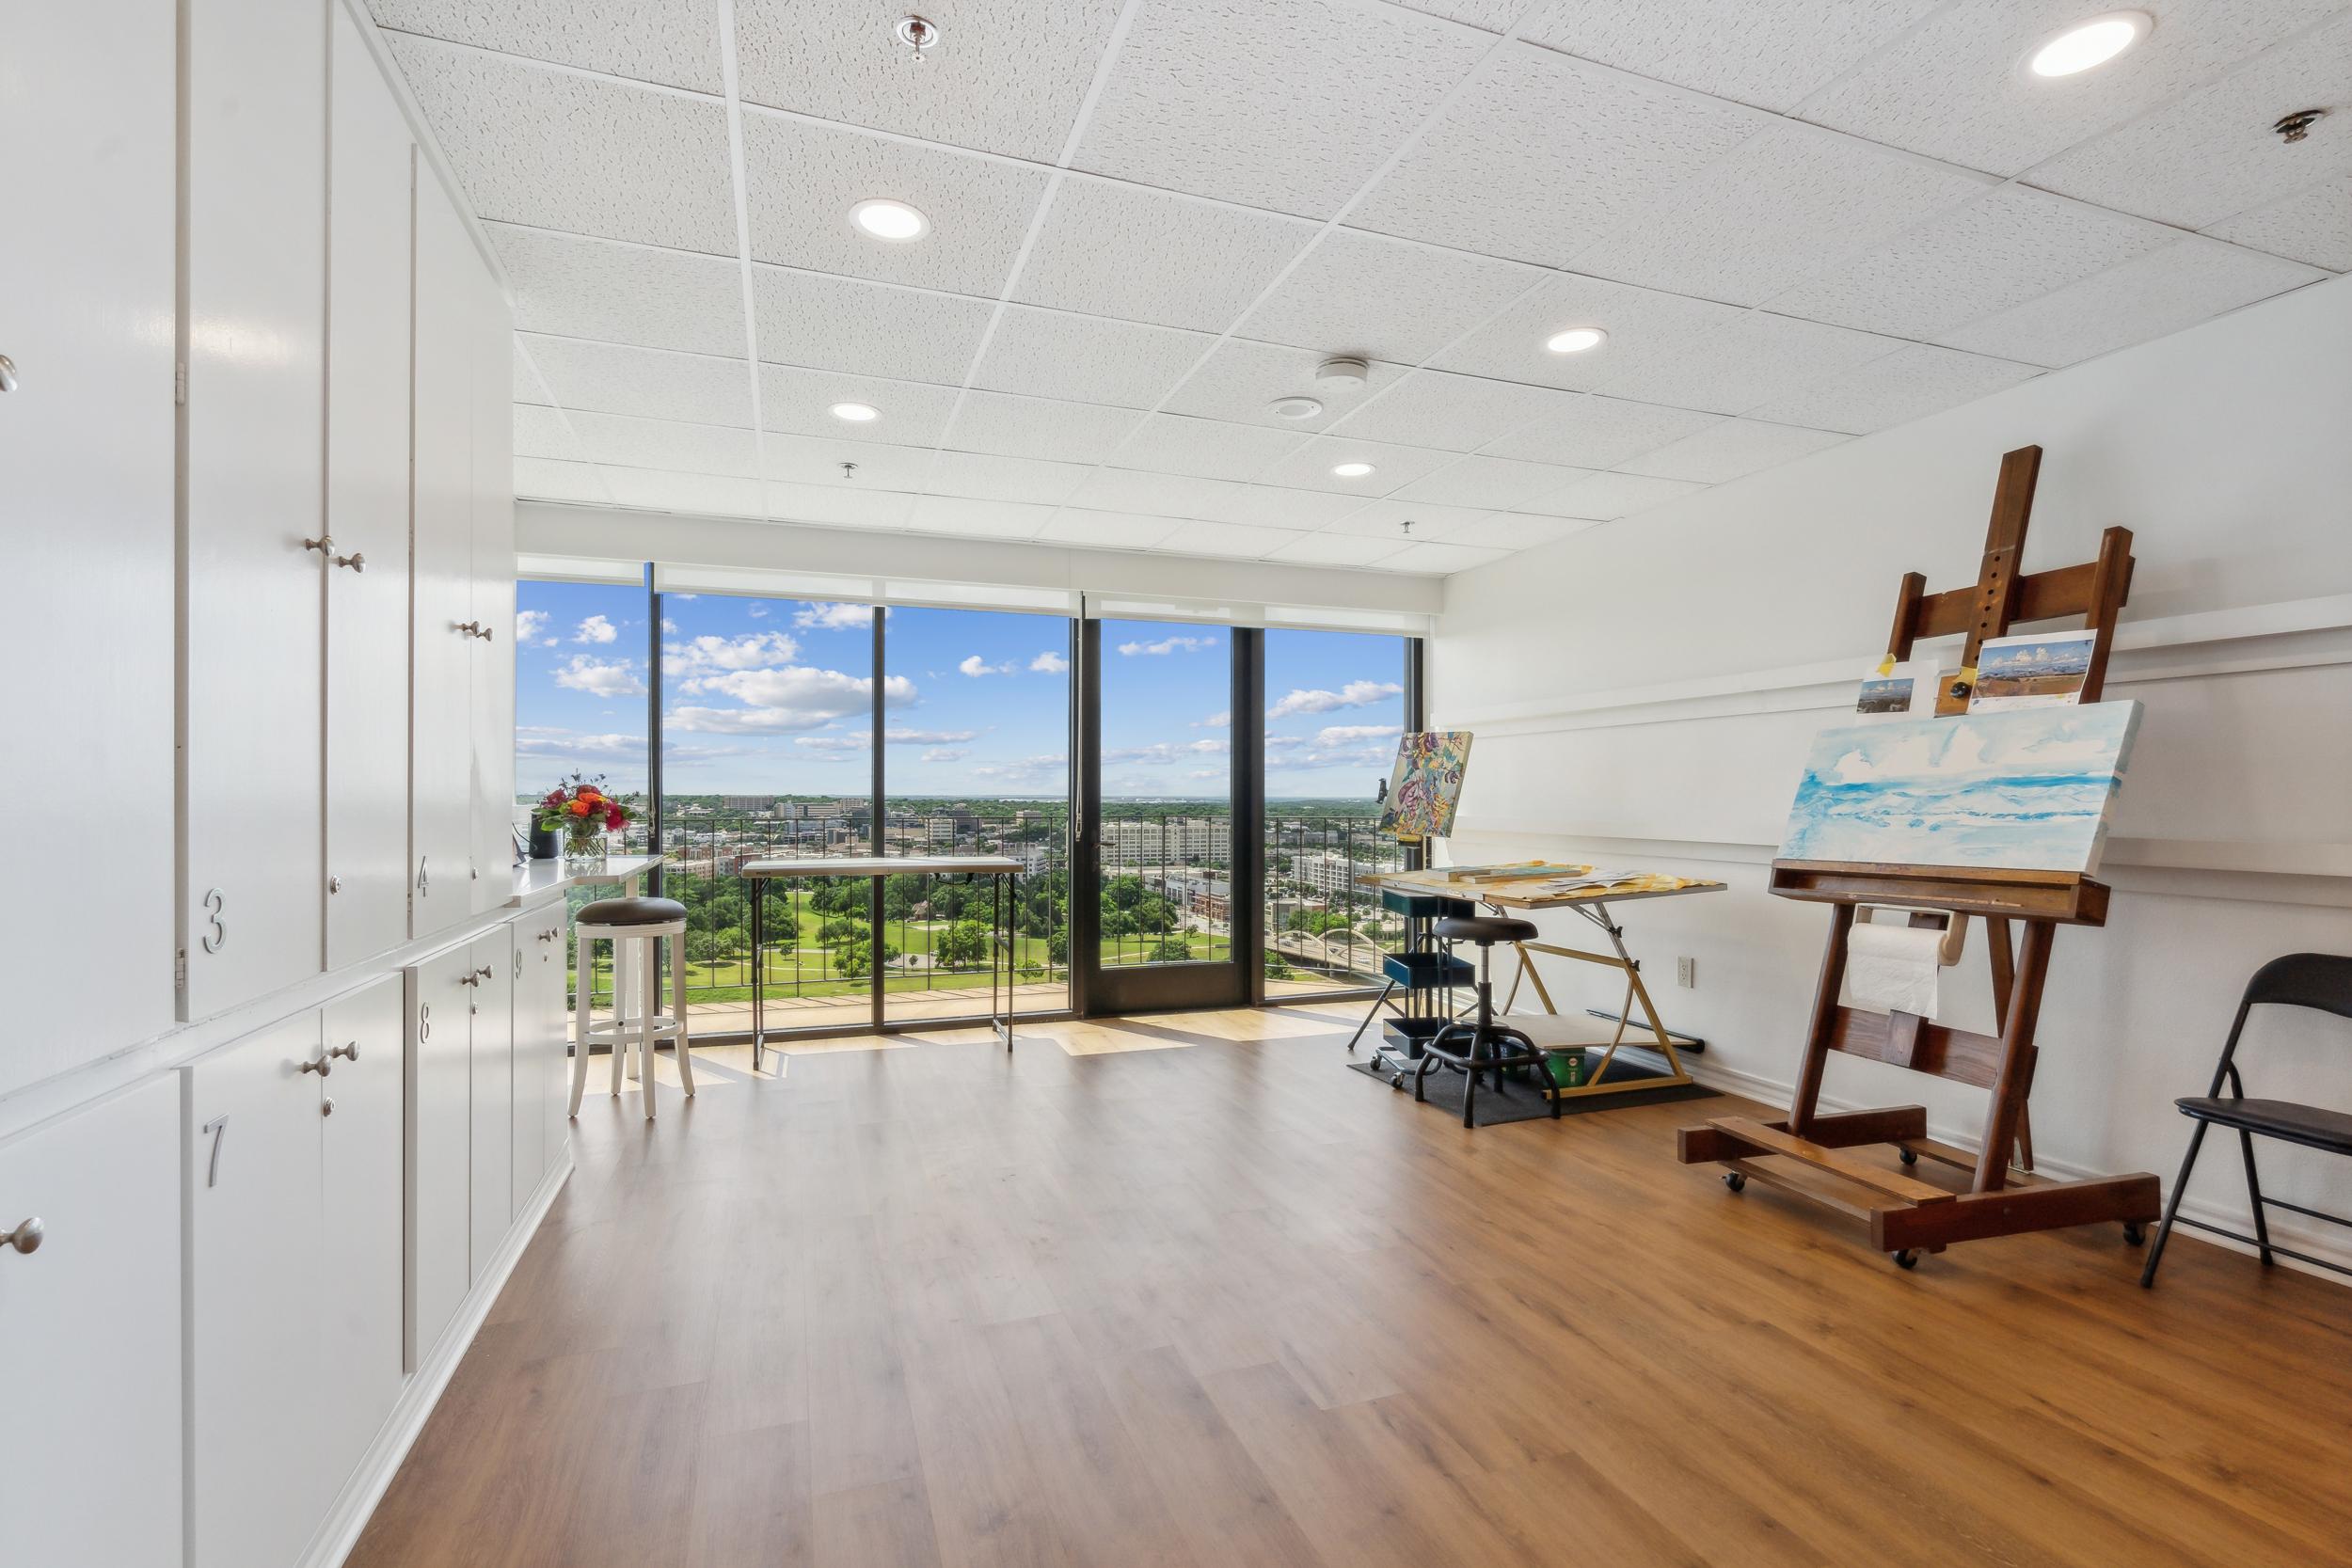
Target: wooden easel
[1806, 1153]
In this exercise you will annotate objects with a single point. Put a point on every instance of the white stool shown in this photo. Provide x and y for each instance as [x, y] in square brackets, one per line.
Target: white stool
[621, 922]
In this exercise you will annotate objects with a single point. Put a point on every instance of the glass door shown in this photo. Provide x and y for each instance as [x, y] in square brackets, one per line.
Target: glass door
[1167, 826]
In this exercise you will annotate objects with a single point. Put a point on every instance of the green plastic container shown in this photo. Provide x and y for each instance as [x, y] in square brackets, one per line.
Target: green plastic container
[1568, 1068]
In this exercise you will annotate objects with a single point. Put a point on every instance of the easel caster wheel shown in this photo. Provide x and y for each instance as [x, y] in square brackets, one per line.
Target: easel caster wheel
[1906, 1259]
[1737, 1180]
[1910, 1156]
[2134, 1232]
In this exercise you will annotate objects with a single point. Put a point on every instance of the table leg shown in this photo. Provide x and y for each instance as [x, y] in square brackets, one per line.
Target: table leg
[759, 966]
[623, 975]
[1000, 930]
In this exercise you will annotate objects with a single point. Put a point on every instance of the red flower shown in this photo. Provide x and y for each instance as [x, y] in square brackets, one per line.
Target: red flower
[612, 818]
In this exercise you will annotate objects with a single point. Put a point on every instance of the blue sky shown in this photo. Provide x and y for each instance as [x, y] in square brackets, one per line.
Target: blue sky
[765, 696]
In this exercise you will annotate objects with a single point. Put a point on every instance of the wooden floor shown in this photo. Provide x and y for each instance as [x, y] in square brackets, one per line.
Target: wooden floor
[1196, 1295]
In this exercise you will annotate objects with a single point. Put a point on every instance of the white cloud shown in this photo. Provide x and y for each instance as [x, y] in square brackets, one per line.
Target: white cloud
[1164, 752]
[1348, 735]
[835, 617]
[946, 753]
[1205, 773]
[596, 629]
[757, 650]
[976, 665]
[757, 612]
[779, 702]
[1168, 645]
[929, 737]
[586, 672]
[1045, 767]
[1213, 722]
[839, 745]
[529, 623]
[1050, 663]
[540, 740]
[1353, 694]
[669, 627]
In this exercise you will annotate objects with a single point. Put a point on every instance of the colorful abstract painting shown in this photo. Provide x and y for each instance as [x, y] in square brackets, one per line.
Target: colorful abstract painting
[2025, 789]
[1426, 785]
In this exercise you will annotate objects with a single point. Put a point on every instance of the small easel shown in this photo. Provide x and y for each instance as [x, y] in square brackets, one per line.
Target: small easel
[1907, 1216]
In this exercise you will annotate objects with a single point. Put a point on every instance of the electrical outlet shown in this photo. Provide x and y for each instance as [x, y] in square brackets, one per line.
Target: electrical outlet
[1687, 973]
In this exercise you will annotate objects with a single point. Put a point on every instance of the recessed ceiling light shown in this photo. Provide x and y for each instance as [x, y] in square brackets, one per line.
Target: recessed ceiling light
[1352, 470]
[1575, 340]
[889, 220]
[856, 413]
[2089, 44]
[1296, 408]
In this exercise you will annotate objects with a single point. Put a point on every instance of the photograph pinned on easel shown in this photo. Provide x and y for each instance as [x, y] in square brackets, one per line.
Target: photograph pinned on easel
[2045, 670]
[1905, 690]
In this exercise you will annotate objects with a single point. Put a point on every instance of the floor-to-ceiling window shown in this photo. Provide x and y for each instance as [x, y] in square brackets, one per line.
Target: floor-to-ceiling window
[1335, 704]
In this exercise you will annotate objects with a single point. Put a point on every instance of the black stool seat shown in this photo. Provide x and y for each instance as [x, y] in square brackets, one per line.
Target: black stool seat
[1486, 928]
[631, 911]
[2313, 1125]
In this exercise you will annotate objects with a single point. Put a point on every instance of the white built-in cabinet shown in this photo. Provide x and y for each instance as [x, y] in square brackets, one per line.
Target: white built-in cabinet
[89, 1338]
[292, 1140]
[542, 1029]
[439, 1244]
[490, 1061]
[491, 750]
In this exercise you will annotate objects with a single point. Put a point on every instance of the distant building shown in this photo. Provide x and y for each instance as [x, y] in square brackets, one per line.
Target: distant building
[758, 805]
[1326, 871]
[1176, 841]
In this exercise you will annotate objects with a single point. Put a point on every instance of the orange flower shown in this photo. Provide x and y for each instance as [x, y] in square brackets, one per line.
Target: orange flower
[590, 792]
[579, 808]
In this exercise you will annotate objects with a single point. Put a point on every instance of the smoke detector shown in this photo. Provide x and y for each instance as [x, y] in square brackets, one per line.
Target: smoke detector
[1342, 375]
[917, 33]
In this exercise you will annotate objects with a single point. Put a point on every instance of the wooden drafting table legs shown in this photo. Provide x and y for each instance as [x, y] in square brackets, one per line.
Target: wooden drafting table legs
[1619, 959]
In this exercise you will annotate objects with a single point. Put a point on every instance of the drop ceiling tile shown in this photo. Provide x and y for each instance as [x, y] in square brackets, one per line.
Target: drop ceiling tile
[1004, 77]
[1599, 433]
[1515, 531]
[1195, 537]
[1208, 448]
[829, 322]
[994, 519]
[1338, 550]
[1777, 208]
[543, 478]
[711, 495]
[1002, 425]
[582, 287]
[1241, 379]
[1490, 482]
[693, 449]
[1006, 479]
[1491, 16]
[1954, 87]
[803, 179]
[542, 431]
[1048, 353]
[1167, 495]
[1758, 357]
[1284, 104]
[1147, 256]
[2212, 153]
[1110, 530]
[1309, 466]
[1641, 324]
[2312, 226]
[1387, 519]
[1909, 384]
[675, 43]
[1544, 153]
[527, 387]
[1272, 506]
[559, 151]
[1770, 55]
[1732, 449]
[817, 460]
[2009, 246]
[1458, 413]
[1604, 497]
[1439, 560]
[1383, 298]
[610, 378]
[2184, 283]
[837, 505]
[800, 403]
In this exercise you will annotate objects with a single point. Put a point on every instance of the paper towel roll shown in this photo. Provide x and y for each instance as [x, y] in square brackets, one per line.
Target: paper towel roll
[1893, 968]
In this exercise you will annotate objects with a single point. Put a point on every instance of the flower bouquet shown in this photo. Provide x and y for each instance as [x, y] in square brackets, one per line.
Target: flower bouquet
[580, 809]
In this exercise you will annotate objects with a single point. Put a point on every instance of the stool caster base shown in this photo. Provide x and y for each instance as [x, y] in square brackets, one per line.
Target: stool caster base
[1906, 1259]
[1737, 1180]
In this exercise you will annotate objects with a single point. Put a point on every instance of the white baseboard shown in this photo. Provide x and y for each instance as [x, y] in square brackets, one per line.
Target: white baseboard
[357, 1502]
[2303, 1239]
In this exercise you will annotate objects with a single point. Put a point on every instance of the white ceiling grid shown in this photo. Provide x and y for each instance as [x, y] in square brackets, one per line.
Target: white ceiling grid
[1800, 221]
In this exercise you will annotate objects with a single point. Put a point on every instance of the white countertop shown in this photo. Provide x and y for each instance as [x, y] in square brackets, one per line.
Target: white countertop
[537, 880]
[884, 866]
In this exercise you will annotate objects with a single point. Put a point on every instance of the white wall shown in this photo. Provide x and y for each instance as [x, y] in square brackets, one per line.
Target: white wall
[1645, 691]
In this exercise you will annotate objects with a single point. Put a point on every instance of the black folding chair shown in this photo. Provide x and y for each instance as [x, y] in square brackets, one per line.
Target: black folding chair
[2319, 980]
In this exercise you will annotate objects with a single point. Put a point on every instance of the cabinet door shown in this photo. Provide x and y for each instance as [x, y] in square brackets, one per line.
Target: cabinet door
[360, 1307]
[493, 750]
[440, 565]
[438, 1221]
[89, 1338]
[367, 510]
[85, 448]
[252, 873]
[493, 1076]
[256, 1486]
[531, 1054]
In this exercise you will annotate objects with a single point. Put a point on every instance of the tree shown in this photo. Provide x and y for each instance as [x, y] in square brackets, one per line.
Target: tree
[702, 948]
[838, 930]
[1057, 946]
[1278, 967]
[1118, 923]
[1171, 950]
[1155, 913]
[964, 942]
[856, 961]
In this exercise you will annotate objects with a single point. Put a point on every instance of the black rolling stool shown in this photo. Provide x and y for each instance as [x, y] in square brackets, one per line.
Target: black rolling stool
[1485, 1046]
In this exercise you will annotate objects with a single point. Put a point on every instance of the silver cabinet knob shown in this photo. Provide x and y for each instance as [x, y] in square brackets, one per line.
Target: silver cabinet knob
[355, 560]
[470, 628]
[7, 383]
[326, 1107]
[324, 544]
[349, 1050]
[322, 1067]
[27, 1235]
[334, 884]
[484, 972]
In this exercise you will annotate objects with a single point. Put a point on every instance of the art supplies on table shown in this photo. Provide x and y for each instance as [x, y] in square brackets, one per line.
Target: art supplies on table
[1505, 872]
